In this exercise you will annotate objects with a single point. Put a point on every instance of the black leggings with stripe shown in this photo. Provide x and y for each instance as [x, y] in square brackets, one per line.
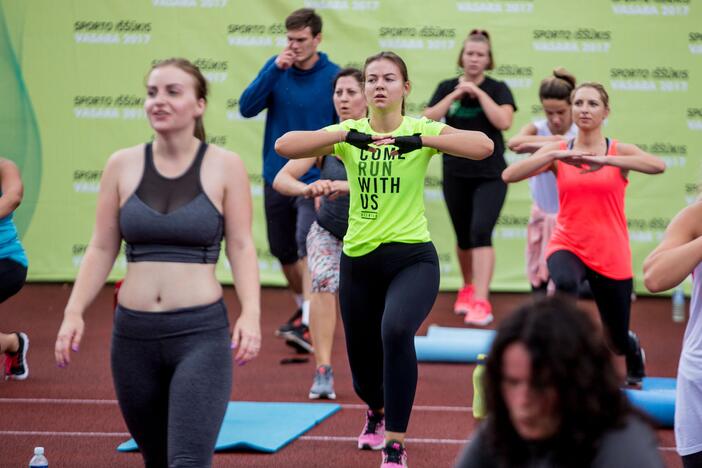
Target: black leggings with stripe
[385, 296]
[173, 377]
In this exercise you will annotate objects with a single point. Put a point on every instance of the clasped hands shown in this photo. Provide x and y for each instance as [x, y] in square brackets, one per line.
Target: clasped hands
[587, 161]
[404, 144]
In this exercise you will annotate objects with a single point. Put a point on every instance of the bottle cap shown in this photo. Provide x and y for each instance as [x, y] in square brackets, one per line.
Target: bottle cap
[38, 450]
[481, 358]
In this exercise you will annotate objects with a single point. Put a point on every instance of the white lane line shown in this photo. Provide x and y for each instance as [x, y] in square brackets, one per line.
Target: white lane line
[65, 434]
[60, 401]
[409, 440]
[305, 438]
[74, 401]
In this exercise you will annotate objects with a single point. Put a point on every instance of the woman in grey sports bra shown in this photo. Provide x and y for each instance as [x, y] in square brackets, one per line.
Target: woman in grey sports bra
[172, 201]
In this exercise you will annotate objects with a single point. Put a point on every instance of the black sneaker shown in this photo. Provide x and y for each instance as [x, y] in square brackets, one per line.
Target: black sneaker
[292, 323]
[635, 361]
[16, 367]
[299, 338]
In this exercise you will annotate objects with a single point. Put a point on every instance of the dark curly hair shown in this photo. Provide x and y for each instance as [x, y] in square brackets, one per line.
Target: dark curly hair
[568, 354]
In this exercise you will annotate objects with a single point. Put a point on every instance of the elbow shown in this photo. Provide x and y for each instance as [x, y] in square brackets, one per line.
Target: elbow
[282, 148]
[507, 176]
[246, 111]
[652, 283]
[487, 147]
[14, 199]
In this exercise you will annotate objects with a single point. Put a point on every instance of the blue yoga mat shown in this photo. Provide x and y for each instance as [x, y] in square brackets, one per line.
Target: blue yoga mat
[263, 426]
[446, 344]
[658, 404]
[658, 383]
[472, 334]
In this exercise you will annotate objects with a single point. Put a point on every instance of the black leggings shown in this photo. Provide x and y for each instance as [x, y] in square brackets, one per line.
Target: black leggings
[12, 278]
[385, 296]
[173, 377]
[474, 205]
[613, 297]
[694, 460]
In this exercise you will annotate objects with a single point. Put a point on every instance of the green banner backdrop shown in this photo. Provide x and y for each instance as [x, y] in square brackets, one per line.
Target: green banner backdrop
[73, 90]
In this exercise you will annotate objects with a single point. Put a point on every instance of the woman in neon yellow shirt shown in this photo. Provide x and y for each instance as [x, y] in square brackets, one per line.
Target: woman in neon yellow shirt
[389, 267]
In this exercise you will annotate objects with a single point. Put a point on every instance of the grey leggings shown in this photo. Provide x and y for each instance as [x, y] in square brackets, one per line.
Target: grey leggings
[173, 377]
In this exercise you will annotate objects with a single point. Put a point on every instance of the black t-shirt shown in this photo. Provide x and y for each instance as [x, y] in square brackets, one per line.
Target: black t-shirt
[468, 115]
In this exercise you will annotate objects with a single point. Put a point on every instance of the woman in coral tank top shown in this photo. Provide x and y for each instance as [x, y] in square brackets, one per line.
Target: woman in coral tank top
[591, 238]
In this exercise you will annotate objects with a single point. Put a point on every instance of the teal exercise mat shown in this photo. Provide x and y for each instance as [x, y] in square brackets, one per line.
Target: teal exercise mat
[656, 398]
[447, 344]
[658, 383]
[263, 426]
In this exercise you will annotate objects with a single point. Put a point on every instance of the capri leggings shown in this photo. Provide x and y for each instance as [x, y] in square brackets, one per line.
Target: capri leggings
[173, 377]
[613, 297]
[12, 277]
[385, 296]
[323, 257]
[474, 205]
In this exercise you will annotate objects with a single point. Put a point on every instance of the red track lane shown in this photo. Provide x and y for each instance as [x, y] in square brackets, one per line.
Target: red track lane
[72, 412]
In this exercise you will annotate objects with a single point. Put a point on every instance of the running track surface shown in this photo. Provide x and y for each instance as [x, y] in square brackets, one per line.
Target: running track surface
[73, 413]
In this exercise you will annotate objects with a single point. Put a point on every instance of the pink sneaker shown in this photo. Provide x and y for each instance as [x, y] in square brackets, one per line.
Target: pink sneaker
[464, 300]
[394, 455]
[479, 314]
[373, 435]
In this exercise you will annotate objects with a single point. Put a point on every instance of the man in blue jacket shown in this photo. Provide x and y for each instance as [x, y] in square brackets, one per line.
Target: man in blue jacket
[296, 88]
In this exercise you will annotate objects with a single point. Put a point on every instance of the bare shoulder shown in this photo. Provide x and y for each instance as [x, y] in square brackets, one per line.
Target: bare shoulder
[125, 157]
[7, 163]
[223, 159]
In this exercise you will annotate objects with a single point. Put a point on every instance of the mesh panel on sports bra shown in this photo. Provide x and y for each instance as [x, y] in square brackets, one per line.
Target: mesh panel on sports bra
[165, 194]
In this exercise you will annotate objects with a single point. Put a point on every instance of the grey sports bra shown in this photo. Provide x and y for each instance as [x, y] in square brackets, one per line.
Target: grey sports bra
[171, 219]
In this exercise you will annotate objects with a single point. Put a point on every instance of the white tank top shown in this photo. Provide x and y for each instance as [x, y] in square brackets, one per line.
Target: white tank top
[691, 356]
[543, 187]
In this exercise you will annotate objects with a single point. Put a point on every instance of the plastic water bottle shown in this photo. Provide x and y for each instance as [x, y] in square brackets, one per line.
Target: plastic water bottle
[38, 460]
[678, 300]
[479, 408]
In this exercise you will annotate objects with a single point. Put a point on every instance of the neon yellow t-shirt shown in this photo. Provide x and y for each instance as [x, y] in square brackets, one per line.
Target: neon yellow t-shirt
[387, 191]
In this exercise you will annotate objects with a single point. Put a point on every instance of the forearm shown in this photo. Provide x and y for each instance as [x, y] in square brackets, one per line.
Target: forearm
[463, 143]
[527, 167]
[242, 258]
[9, 203]
[646, 164]
[255, 97]
[531, 143]
[439, 110]
[286, 184]
[499, 117]
[668, 268]
[308, 144]
[94, 269]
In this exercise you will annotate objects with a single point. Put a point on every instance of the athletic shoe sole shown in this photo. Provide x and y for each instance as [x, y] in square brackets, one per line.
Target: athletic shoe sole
[481, 323]
[371, 447]
[322, 396]
[299, 344]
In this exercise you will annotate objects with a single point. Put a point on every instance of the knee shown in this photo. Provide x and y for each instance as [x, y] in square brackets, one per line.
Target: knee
[396, 335]
[481, 238]
[566, 283]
